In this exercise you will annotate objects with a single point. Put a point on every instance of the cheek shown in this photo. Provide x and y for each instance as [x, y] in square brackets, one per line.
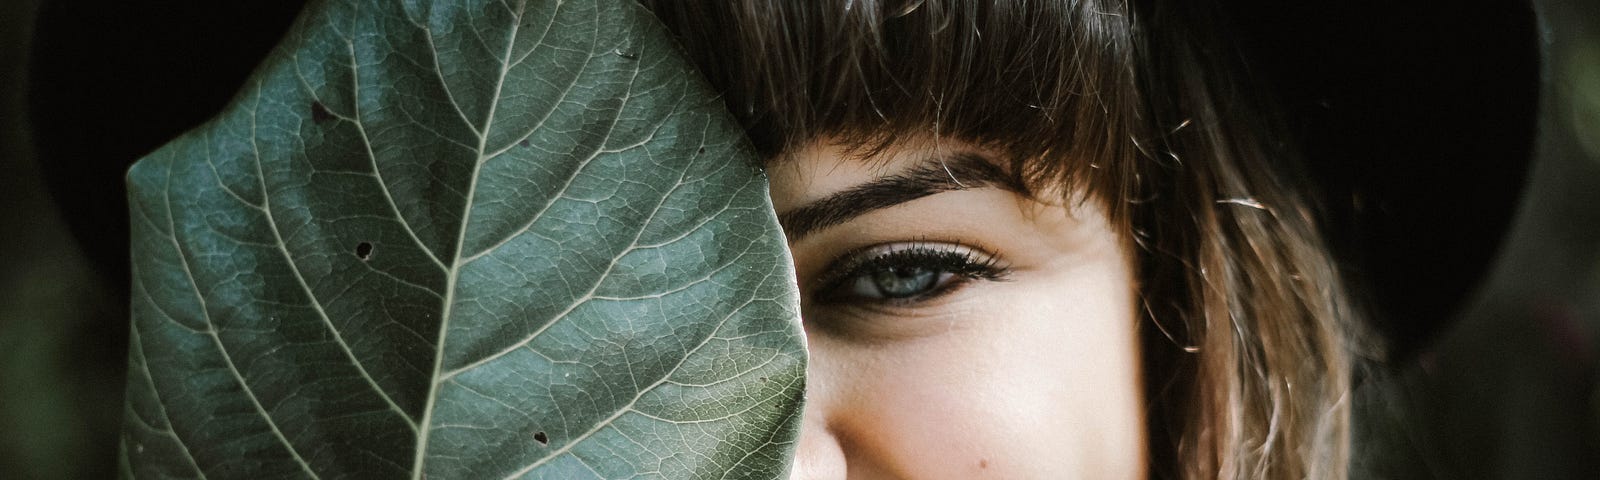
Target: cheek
[1040, 384]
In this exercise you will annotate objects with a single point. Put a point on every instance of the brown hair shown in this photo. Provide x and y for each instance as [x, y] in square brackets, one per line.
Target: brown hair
[1247, 365]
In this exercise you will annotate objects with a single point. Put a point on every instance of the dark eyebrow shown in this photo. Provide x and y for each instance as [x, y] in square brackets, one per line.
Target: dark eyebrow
[935, 174]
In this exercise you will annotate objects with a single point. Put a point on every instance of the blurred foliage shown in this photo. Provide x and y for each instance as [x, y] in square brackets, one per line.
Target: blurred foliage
[59, 405]
[1510, 391]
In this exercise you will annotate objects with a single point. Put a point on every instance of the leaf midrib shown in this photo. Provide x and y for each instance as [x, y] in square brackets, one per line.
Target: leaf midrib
[425, 426]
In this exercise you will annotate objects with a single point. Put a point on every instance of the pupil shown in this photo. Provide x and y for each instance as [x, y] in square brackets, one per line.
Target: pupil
[899, 282]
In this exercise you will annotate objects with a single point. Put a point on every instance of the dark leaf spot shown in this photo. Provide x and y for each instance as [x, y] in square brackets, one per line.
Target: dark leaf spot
[541, 438]
[524, 143]
[702, 150]
[320, 113]
[364, 250]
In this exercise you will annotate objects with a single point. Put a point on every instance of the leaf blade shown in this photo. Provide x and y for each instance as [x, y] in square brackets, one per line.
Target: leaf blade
[616, 299]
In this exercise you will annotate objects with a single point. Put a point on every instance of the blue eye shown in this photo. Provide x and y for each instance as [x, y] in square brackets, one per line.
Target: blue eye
[903, 273]
[897, 282]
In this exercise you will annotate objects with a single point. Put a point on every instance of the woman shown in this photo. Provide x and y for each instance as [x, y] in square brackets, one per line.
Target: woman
[1036, 240]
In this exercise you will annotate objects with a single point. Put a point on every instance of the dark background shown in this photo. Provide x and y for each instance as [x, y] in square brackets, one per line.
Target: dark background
[1506, 390]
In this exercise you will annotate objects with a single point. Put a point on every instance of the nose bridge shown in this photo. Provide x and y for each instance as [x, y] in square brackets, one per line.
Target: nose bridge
[820, 454]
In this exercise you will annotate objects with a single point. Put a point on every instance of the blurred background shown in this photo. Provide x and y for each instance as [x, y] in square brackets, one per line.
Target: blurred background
[1507, 389]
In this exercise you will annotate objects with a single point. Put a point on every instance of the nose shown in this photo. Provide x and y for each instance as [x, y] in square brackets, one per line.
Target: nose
[821, 454]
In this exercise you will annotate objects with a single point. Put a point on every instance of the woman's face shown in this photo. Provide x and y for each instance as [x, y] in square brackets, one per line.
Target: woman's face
[956, 328]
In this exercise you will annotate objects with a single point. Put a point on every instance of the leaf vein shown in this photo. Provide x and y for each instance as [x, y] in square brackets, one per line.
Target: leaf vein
[587, 296]
[377, 170]
[444, 83]
[311, 296]
[448, 302]
[161, 404]
[576, 172]
[624, 409]
[216, 339]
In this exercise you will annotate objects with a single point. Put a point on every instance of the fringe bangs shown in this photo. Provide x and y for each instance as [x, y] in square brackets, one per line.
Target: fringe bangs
[1048, 83]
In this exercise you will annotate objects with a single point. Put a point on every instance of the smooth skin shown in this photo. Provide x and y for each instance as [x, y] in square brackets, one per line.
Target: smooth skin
[1027, 370]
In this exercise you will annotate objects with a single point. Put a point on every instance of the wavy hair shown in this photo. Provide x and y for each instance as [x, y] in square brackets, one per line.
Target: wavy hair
[1247, 332]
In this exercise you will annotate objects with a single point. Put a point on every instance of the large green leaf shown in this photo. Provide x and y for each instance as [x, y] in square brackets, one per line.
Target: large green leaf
[473, 239]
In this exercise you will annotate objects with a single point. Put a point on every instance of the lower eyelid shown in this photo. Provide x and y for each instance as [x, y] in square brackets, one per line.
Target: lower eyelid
[888, 321]
[902, 306]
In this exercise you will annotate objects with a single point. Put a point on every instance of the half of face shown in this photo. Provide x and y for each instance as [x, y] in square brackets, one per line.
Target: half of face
[958, 328]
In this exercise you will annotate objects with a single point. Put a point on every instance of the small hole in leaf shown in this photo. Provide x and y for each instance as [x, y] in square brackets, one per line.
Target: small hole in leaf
[541, 438]
[364, 250]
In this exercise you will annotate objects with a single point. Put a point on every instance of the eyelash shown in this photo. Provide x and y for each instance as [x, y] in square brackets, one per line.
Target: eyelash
[965, 263]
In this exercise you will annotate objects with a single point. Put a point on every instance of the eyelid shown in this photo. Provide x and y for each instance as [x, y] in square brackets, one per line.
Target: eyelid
[978, 263]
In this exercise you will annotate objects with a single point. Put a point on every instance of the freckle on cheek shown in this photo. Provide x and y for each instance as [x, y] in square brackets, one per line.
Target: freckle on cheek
[983, 463]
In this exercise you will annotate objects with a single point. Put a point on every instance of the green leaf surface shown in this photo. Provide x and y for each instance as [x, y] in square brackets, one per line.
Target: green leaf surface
[462, 239]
